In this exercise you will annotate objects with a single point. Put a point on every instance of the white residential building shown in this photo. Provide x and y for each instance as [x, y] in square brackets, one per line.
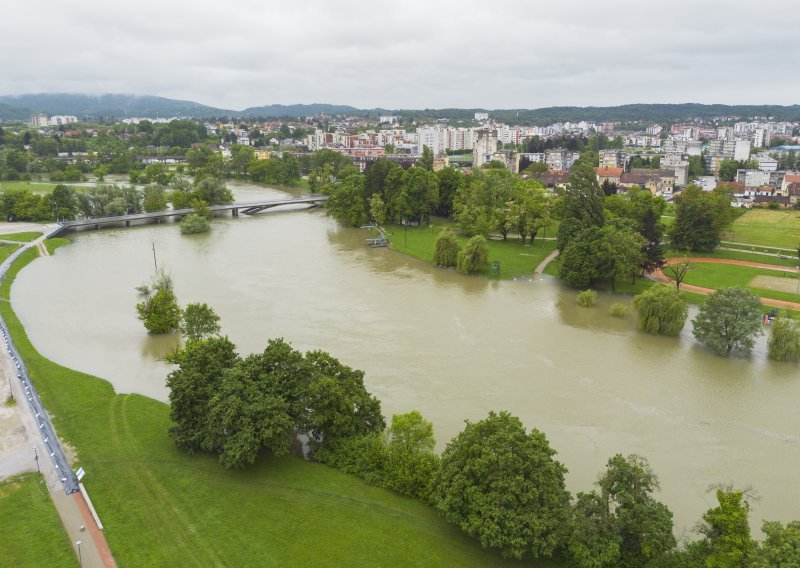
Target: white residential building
[485, 146]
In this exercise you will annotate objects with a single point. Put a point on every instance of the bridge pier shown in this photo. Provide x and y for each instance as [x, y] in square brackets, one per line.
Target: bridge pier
[127, 223]
[235, 212]
[97, 227]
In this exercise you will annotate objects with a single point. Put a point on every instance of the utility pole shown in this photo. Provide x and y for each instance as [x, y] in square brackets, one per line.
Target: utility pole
[36, 457]
[155, 263]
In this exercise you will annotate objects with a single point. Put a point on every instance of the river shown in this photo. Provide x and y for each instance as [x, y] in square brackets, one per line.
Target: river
[450, 346]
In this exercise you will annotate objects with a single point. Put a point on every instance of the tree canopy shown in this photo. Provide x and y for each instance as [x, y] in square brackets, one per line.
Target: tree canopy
[729, 319]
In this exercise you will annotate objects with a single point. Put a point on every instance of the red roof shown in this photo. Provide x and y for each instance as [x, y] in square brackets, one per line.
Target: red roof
[792, 178]
[609, 172]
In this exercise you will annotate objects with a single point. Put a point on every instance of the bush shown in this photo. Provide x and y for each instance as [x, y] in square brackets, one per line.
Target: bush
[475, 256]
[446, 250]
[618, 310]
[193, 224]
[784, 339]
[661, 310]
[587, 298]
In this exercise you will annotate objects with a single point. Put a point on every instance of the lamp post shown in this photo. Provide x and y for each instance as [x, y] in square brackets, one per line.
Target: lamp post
[80, 559]
[36, 457]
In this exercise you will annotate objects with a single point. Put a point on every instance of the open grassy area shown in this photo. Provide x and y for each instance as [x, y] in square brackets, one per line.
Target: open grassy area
[24, 237]
[515, 259]
[727, 275]
[737, 255]
[32, 534]
[767, 227]
[162, 507]
[6, 250]
[54, 243]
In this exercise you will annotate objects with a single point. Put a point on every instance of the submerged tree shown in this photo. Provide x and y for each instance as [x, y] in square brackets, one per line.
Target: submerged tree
[784, 338]
[159, 311]
[475, 256]
[729, 319]
[661, 310]
[199, 321]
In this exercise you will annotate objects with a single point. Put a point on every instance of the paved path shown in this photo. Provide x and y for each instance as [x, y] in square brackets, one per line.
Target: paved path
[542, 265]
[661, 277]
[71, 508]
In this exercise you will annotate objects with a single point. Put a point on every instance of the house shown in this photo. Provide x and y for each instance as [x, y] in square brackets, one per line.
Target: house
[767, 200]
[554, 180]
[609, 174]
[788, 180]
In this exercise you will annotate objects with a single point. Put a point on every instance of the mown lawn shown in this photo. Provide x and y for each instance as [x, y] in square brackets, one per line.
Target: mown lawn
[6, 250]
[767, 227]
[719, 276]
[24, 237]
[737, 255]
[162, 507]
[32, 534]
[515, 258]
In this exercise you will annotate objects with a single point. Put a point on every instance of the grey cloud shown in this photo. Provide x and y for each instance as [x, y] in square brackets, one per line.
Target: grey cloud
[505, 53]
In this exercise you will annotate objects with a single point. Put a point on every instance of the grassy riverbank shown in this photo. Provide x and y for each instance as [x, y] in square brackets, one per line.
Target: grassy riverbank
[24, 237]
[516, 259]
[32, 534]
[162, 507]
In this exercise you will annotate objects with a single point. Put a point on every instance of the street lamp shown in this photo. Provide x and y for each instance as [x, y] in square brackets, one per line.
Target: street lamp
[36, 457]
[80, 559]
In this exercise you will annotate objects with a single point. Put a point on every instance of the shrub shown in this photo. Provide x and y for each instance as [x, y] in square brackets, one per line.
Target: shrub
[618, 310]
[475, 256]
[587, 298]
[446, 249]
[661, 310]
[784, 339]
[193, 224]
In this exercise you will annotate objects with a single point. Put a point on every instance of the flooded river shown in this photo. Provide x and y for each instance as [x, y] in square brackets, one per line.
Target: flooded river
[450, 346]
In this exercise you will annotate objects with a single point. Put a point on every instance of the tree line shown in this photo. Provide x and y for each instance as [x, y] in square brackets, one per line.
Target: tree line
[496, 480]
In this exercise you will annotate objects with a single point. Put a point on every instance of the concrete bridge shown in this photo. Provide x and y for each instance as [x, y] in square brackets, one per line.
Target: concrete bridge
[246, 207]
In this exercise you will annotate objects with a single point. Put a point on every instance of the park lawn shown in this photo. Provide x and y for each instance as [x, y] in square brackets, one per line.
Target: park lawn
[7, 249]
[23, 259]
[39, 187]
[32, 531]
[718, 276]
[163, 507]
[54, 243]
[516, 260]
[768, 228]
[735, 255]
[24, 237]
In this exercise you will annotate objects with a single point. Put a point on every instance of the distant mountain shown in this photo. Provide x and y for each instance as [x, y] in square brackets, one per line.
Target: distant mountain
[118, 106]
[299, 110]
[8, 112]
[20, 107]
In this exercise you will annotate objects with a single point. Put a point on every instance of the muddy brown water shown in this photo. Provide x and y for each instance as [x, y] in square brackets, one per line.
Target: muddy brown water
[450, 346]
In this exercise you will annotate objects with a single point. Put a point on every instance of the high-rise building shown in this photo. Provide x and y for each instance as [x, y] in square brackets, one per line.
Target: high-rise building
[484, 147]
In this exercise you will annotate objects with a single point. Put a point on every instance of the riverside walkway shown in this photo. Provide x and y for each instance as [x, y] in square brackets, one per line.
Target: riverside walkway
[245, 207]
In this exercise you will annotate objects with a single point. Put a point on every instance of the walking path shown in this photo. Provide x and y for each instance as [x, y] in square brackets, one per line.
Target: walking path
[661, 277]
[72, 508]
[542, 265]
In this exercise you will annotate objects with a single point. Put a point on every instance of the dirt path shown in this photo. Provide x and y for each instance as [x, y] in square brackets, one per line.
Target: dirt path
[661, 277]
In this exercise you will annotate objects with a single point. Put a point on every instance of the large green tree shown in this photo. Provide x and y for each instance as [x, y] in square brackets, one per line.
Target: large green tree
[729, 319]
[584, 198]
[501, 485]
[700, 218]
[199, 321]
[784, 338]
[622, 525]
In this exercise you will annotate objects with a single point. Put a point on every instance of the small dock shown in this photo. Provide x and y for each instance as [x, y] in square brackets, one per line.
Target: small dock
[381, 240]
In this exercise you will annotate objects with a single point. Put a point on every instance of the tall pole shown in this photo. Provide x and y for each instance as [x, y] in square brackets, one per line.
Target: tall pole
[155, 263]
[80, 559]
[36, 457]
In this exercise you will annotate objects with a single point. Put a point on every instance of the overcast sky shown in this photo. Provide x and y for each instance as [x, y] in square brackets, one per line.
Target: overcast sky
[409, 53]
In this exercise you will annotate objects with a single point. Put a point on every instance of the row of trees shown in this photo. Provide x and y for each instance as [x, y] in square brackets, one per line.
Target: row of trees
[65, 203]
[497, 481]
[730, 319]
[606, 237]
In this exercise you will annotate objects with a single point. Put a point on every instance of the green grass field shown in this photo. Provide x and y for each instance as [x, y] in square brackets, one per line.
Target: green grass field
[6, 250]
[726, 275]
[32, 534]
[515, 259]
[767, 228]
[38, 187]
[162, 507]
[54, 243]
[25, 237]
[736, 255]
